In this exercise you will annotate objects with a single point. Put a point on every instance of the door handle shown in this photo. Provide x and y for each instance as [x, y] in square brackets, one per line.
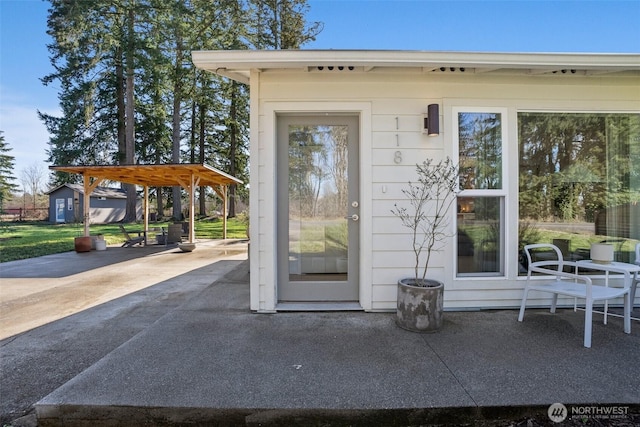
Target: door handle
[354, 217]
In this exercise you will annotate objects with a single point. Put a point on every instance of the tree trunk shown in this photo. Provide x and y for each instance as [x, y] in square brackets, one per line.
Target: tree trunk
[131, 211]
[159, 203]
[175, 138]
[121, 157]
[233, 112]
[201, 137]
[192, 132]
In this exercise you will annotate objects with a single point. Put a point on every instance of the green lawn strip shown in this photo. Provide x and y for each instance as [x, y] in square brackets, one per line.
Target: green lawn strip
[33, 239]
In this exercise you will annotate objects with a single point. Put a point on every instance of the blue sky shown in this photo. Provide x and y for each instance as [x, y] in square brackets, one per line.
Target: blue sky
[454, 25]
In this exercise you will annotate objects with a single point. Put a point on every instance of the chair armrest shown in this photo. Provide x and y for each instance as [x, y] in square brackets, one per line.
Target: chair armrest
[557, 273]
[555, 264]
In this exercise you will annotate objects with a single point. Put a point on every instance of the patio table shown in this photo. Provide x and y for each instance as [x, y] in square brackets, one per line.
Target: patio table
[628, 270]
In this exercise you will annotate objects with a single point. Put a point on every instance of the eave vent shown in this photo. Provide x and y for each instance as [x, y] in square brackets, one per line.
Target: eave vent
[335, 68]
[452, 69]
[564, 71]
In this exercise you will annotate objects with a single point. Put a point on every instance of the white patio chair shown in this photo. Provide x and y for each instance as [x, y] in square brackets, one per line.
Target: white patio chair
[558, 282]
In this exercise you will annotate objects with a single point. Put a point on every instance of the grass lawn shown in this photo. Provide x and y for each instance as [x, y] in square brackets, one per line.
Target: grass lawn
[32, 239]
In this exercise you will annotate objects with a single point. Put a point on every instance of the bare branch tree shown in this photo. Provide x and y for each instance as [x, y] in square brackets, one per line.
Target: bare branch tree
[32, 178]
[430, 199]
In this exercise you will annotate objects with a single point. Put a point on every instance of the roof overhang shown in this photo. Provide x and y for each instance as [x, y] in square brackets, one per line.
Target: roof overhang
[238, 64]
[165, 175]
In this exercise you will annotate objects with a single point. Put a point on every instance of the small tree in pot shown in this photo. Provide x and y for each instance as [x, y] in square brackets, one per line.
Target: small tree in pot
[420, 300]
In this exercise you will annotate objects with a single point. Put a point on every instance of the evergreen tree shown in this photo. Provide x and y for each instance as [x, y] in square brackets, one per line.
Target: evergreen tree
[130, 94]
[7, 163]
[280, 24]
[84, 59]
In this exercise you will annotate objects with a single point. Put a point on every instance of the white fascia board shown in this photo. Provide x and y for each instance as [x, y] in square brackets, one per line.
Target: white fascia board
[239, 76]
[240, 62]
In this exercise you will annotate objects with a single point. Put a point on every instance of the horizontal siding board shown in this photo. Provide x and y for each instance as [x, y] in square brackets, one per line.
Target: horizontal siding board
[428, 87]
[385, 300]
[404, 108]
[391, 243]
[385, 293]
[392, 259]
[414, 143]
[382, 207]
[385, 296]
[410, 142]
[388, 225]
[390, 194]
[401, 173]
[389, 276]
[396, 122]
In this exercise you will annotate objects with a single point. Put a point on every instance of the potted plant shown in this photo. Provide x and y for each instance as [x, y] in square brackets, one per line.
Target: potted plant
[420, 299]
[81, 243]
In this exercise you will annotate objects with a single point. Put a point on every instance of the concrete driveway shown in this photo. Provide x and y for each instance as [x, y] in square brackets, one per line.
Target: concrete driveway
[60, 314]
[34, 292]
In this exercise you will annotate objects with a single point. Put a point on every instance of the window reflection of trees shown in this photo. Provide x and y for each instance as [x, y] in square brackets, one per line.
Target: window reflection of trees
[480, 150]
[580, 178]
[574, 165]
[318, 171]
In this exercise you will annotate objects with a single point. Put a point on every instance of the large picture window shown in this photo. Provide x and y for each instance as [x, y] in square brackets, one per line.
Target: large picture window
[579, 182]
[480, 204]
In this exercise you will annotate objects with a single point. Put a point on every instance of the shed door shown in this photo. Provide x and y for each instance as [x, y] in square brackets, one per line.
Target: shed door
[60, 210]
[318, 208]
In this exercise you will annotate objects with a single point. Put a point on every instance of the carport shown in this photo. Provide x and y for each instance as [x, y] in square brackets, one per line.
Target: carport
[186, 175]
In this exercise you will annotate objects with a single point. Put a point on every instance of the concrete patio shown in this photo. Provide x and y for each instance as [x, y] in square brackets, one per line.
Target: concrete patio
[210, 361]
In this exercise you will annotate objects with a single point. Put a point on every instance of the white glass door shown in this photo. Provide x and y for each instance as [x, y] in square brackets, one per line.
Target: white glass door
[318, 208]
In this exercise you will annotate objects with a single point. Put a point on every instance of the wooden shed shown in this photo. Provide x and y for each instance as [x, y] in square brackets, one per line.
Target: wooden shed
[107, 205]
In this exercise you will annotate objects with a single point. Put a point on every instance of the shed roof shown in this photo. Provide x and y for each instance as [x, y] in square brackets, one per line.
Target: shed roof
[237, 64]
[165, 175]
[108, 192]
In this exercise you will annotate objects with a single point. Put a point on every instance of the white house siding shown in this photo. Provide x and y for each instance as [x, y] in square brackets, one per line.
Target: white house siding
[386, 98]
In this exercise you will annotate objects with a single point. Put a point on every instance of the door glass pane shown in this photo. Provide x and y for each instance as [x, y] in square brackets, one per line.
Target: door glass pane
[318, 202]
[480, 150]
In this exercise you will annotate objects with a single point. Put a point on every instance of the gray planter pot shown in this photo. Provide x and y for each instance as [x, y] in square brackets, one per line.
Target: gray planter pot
[419, 308]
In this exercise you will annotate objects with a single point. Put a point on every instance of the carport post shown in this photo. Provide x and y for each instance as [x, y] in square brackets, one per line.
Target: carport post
[192, 214]
[146, 214]
[190, 187]
[222, 193]
[86, 201]
[225, 207]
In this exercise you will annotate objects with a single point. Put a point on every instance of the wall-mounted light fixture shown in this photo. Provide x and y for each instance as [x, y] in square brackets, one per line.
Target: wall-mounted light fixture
[431, 124]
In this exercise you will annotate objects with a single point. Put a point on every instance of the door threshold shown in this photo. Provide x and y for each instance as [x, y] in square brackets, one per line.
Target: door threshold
[319, 306]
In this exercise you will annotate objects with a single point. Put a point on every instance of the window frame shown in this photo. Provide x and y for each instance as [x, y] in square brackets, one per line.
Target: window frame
[567, 109]
[501, 193]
